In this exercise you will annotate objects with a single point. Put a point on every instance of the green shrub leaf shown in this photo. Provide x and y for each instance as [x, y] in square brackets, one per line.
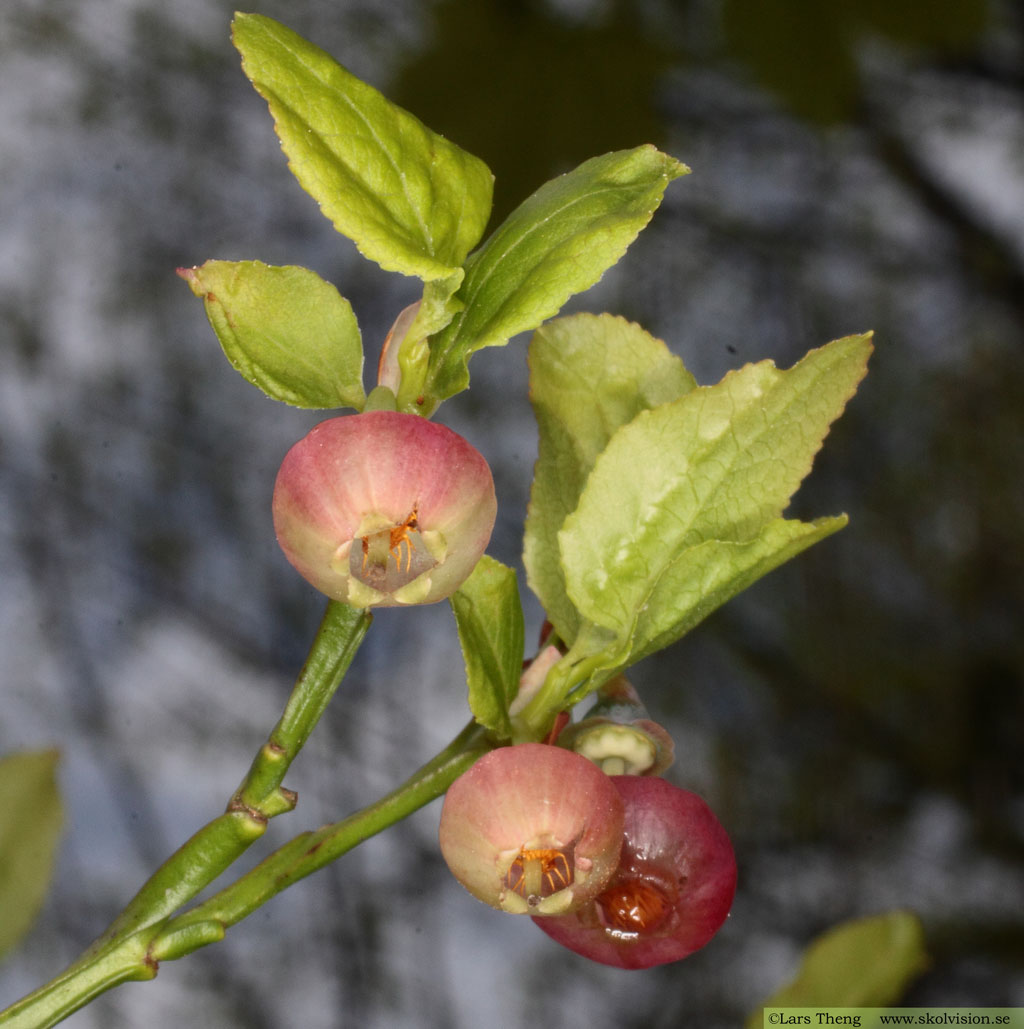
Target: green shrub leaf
[589, 375]
[867, 963]
[285, 330]
[408, 198]
[718, 465]
[703, 577]
[558, 242]
[489, 618]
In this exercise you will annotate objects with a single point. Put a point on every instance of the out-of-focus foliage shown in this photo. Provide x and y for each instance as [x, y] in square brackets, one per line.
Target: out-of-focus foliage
[807, 52]
[31, 817]
[867, 962]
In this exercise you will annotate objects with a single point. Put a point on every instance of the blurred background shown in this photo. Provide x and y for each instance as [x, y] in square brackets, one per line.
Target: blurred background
[856, 720]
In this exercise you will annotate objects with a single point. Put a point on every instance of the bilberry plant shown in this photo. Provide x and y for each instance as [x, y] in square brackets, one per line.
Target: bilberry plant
[654, 501]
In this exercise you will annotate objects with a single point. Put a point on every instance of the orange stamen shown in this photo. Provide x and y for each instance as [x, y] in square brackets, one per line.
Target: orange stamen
[397, 538]
[556, 873]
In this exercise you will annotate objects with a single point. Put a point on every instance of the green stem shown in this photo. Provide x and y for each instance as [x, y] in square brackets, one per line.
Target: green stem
[201, 859]
[122, 962]
[337, 640]
[310, 851]
[137, 955]
[589, 663]
[260, 797]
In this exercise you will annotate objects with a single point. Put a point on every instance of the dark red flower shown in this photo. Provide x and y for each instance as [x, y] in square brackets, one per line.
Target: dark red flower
[673, 887]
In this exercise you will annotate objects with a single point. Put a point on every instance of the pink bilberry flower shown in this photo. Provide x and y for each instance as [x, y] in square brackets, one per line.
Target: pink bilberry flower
[384, 508]
[532, 829]
[673, 887]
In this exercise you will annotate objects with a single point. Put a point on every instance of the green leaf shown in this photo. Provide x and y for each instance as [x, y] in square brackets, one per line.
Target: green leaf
[437, 307]
[868, 962]
[558, 242]
[704, 577]
[718, 464]
[489, 618]
[409, 199]
[30, 822]
[285, 330]
[589, 375]
[701, 579]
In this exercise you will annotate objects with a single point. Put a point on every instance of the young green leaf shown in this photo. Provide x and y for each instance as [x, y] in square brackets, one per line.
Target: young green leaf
[285, 330]
[489, 618]
[718, 464]
[409, 199]
[30, 822]
[558, 242]
[438, 305]
[868, 962]
[702, 578]
[589, 375]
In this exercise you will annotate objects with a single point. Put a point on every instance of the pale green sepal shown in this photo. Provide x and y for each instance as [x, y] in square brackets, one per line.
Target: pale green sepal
[360, 595]
[380, 399]
[408, 198]
[513, 904]
[868, 962]
[489, 618]
[436, 543]
[556, 903]
[31, 816]
[558, 242]
[284, 329]
[615, 749]
[717, 464]
[589, 375]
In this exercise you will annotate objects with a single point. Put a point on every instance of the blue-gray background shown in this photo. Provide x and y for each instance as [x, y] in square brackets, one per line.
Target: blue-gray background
[856, 719]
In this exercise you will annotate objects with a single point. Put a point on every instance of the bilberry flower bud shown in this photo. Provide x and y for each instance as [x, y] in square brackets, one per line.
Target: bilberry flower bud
[673, 887]
[532, 829]
[383, 508]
